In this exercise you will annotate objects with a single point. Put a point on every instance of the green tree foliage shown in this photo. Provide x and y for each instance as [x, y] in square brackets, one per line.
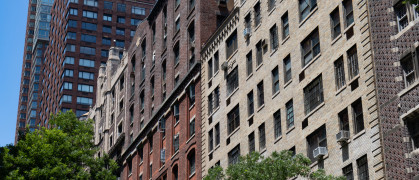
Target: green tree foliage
[65, 151]
[415, 2]
[278, 166]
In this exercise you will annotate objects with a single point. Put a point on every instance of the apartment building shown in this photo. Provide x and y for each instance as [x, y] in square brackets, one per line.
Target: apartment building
[395, 43]
[22, 114]
[147, 112]
[82, 31]
[293, 75]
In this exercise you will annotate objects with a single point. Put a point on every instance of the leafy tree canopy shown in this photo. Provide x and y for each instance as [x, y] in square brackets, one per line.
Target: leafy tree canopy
[65, 151]
[278, 166]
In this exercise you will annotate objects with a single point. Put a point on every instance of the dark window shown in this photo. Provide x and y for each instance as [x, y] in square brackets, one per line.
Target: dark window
[210, 69]
[362, 164]
[213, 100]
[108, 5]
[251, 138]
[271, 4]
[216, 62]
[353, 62]
[339, 73]
[349, 13]
[129, 166]
[234, 155]
[191, 162]
[348, 172]
[287, 69]
[310, 47]
[277, 124]
[262, 137]
[106, 41]
[258, 15]
[88, 26]
[261, 95]
[107, 29]
[259, 54]
[210, 140]
[315, 140]
[275, 80]
[191, 127]
[121, 7]
[88, 38]
[249, 63]
[274, 37]
[410, 66]
[306, 6]
[176, 52]
[72, 23]
[176, 112]
[217, 134]
[290, 114]
[233, 119]
[176, 143]
[413, 128]
[250, 104]
[120, 31]
[232, 81]
[343, 120]
[335, 23]
[358, 116]
[231, 44]
[192, 94]
[120, 19]
[313, 95]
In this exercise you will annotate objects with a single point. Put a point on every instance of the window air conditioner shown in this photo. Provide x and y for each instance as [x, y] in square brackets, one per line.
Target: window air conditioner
[319, 152]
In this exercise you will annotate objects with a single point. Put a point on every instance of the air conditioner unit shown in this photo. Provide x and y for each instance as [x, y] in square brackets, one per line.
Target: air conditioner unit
[246, 32]
[343, 136]
[319, 152]
[224, 66]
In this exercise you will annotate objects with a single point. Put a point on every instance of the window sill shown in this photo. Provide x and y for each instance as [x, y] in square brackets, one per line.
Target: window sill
[260, 65]
[353, 79]
[257, 27]
[261, 107]
[174, 155]
[190, 139]
[400, 33]
[290, 129]
[358, 135]
[232, 55]
[232, 133]
[130, 174]
[216, 147]
[340, 90]
[176, 124]
[406, 90]
[161, 168]
[192, 106]
[273, 51]
[276, 94]
[192, 175]
[314, 110]
[278, 139]
[288, 83]
[232, 94]
[336, 39]
[214, 111]
[311, 62]
[285, 40]
[272, 10]
[176, 65]
[250, 117]
[263, 150]
[249, 76]
[308, 17]
[141, 163]
[349, 27]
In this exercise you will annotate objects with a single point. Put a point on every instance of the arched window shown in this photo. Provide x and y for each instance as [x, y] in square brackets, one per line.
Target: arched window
[175, 172]
[191, 162]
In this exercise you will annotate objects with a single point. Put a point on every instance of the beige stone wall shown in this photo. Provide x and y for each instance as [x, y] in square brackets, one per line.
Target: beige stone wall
[366, 142]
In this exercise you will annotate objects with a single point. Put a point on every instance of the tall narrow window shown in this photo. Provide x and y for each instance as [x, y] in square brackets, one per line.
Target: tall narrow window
[277, 124]
[233, 119]
[362, 164]
[176, 112]
[285, 26]
[271, 4]
[259, 54]
[217, 134]
[249, 63]
[191, 94]
[216, 65]
[349, 14]
[210, 140]
[231, 44]
[305, 7]
[287, 69]
[232, 81]
[191, 128]
[176, 143]
[274, 37]
[413, 128]
[191, 162]
[176, 52]
[353, 62]
[290, 114]
[358, 116]
[335, 23]
[313, 95]
[233, 155]
[348, 172]
[410, 67]
[258, 15]
[251, 138]
[343, 120]
[339, 73]
[310, 47]
[315, 140]
[210, 69]
[261, 96]
[275, 80]
[262, 138]
[250, 104]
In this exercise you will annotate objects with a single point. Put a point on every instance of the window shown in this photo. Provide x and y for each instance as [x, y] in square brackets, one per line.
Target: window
[177, 3]
[104, 53]
[108, 5]
[274, 37]
[343, 120]
[107, 29]
[66, 98]
[287, 69]
[306, 6]
[262, 138]
[277, 124]
[234, 155]
[84, 101]
[191, 95]
[107, 17]
[191, 162]
[70, 35]
[249, 63]
[88, 38]
[121, 7]
[120, 19]
[335, 23]
[142, 100]
[70, 48]
[88, 26]
[358, 116]
[410, 67]
[132, 33]
[86, 63]
[135, 22]
[271, 4]
[217, 134]
[68, 73]
[259, 54]
[90, 14]
[86, 75]
[231, 44]
[176, 52]
[339, 73]
[413, 129]
[120, 43]
[362, 164]
[210, 140]
[247, 22]
[251, 139]
[349, 14]
[177, 24]
[69, 60]
[213, 100]
[175, 172]
[315, 140]
[210, 69]
[106, 41]
[348, 172]
[250, 104]
[120, 31]
[258, 16]
[261, 96]
[191, 4]
[310, 47]
[85, 88]
[353, 62]
[87, 50]
[275, 80]
[290, 114]
[131, 114]
[176, 143]
[121, 83]
[91, 2]
[138, 10]
[232, 81]
[176, 112]
[313, 95]
[73, 11]
[67, 85]
[233, 121]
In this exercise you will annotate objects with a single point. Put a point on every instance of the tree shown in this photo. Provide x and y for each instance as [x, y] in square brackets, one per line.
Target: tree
[278, 166]
[65, 151]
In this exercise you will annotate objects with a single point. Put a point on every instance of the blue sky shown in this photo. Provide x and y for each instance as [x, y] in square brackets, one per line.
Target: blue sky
[12, 38]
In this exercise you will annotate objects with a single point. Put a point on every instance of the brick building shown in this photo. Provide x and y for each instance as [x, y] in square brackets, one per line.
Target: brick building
[81, 33]
[395, 36]
[147, 112]
[293, 75]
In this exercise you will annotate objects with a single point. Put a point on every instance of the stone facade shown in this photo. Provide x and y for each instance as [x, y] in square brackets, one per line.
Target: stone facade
[317, 119]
